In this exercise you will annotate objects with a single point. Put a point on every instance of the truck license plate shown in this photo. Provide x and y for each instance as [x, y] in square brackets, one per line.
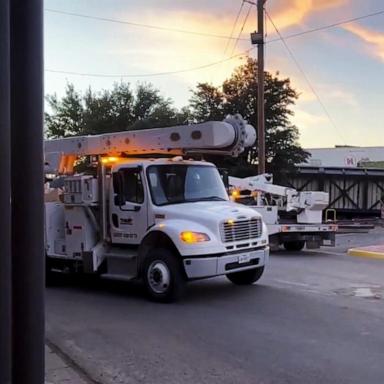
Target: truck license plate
[244, 258]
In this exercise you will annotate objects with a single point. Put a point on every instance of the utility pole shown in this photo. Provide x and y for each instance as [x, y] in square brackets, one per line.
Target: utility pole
[21, 194]
[258, 38]
[27, 181]
[5, 196]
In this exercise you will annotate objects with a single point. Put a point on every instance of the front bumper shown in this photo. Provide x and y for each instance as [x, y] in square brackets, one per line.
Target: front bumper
[209, 266]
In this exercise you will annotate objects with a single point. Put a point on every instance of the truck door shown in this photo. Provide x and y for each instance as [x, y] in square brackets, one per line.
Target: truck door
[128, 206]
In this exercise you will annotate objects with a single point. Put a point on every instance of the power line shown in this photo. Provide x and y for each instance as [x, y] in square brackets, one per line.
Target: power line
[219, 70]
[234, 26]
[329, 26]
[306, 78]
[141, 25]
[242, 29]
[203, 34]
[157, 27]
[156, 74]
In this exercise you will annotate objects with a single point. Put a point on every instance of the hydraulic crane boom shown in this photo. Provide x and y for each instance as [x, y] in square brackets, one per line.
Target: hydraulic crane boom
[293, 218]
[229, 137]
[309, 205]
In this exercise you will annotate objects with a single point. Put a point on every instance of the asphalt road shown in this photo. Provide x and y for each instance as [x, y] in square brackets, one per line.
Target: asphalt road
[314, 317]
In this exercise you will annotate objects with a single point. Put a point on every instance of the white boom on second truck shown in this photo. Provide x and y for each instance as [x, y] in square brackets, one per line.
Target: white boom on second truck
[164, 220]
[293, 218]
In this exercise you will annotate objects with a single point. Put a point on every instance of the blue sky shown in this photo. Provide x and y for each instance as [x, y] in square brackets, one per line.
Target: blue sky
[345, 65]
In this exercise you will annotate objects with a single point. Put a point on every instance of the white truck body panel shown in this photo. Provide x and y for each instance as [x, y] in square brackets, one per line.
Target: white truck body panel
[80, 235]
[55, 228]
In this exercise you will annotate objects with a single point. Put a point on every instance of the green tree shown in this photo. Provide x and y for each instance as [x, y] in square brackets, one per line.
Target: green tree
[207, 103]
[122, 108]
[238, 94]
[113, 110]
[66, 116]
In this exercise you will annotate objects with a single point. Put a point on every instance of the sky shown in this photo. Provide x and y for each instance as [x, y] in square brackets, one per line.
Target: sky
[341, 75]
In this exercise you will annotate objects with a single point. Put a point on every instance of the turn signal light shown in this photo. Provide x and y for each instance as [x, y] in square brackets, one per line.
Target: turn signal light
[235, 194]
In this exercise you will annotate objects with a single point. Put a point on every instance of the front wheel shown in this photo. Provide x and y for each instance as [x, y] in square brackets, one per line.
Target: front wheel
[247, 277]
[163, 275]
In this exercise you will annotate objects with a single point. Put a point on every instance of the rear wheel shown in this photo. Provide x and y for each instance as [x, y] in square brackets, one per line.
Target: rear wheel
[247, 277]
[163, 275]
[294, 245]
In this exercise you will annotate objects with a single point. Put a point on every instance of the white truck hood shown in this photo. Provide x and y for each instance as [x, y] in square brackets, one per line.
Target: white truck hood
[205, 217]
[204, 211]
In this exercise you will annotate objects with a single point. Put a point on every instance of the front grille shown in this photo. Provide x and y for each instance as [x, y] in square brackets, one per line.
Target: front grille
[239, 230]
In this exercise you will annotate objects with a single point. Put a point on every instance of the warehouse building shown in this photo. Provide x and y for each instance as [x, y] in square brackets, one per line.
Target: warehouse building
[346, 157]
[353, 177]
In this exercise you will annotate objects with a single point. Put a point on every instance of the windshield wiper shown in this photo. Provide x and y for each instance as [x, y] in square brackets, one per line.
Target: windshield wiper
[208, 198]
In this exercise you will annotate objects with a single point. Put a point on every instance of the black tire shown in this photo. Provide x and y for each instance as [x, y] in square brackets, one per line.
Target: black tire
[247, 277]
[164, 276]
[292, 246]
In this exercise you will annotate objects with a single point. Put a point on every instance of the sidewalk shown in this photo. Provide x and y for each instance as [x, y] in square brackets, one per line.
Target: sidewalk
[59, 371]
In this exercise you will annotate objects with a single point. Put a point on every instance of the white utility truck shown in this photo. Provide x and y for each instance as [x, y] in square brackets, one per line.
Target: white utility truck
[144, 212]
[293, 218]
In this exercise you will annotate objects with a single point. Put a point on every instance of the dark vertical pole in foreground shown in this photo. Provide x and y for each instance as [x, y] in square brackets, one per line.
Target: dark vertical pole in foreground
[27, 191]
[260, 90]
[5, 197]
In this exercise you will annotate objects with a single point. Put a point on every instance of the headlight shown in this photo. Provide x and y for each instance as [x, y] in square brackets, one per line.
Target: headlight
[235, 194]
[193, 237]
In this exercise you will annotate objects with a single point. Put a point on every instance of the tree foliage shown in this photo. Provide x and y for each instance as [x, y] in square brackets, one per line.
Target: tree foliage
[113, 110]
[238, 94]
[122, 108]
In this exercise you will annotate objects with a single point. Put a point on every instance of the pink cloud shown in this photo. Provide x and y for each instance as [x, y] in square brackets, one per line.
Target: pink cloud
[288, 13]
[375, 39]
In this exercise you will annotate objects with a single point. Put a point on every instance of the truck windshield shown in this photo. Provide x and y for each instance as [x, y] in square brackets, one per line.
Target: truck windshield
[179, 183]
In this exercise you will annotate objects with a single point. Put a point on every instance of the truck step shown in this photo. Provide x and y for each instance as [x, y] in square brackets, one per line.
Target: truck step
[121, 262]
[121, 253]
[120, 277]
[125, 256]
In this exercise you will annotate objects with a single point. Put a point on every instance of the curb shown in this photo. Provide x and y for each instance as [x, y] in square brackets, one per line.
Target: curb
[373, 252]
[71, 364]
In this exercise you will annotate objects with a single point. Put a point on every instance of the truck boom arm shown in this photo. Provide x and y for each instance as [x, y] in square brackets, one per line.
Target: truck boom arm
[229, 137]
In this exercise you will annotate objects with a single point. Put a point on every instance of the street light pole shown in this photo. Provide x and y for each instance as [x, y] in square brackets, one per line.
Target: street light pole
[5, 197]
[28, 271]
[258, 38]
